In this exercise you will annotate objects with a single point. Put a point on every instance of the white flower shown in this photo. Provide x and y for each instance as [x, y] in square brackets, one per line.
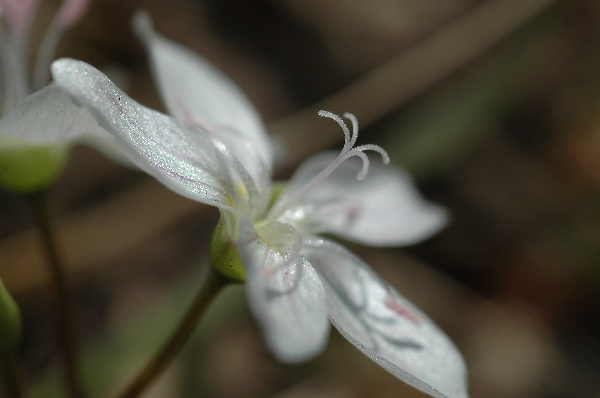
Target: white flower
[17, 16]
[215, 151]
[37, 122]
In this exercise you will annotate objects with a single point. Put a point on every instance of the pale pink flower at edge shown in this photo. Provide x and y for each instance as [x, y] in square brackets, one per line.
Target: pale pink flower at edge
[38, 121]
[34, 113]
[215, 151]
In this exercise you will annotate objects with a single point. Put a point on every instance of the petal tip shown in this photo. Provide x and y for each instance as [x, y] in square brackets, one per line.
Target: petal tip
[142, 24]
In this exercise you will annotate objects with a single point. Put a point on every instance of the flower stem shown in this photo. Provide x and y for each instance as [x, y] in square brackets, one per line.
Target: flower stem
[212, 284]
[65, 324]
[13, 374]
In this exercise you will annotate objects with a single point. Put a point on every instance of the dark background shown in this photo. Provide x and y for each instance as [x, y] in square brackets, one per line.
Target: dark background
[493, 106]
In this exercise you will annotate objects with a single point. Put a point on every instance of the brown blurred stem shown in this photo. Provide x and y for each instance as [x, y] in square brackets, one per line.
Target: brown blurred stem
[65, 324]
[212, 284]
[389, 86]
[13, 374]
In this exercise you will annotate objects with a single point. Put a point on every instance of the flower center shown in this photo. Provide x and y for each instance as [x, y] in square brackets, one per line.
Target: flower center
[348, 151]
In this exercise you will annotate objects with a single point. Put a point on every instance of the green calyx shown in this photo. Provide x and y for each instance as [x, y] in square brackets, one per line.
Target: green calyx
[225, 257]
[31, 168]
[10, 321]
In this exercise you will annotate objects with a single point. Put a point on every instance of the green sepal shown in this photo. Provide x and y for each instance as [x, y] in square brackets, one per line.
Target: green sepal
[10, 321]
[30, 169]
[225, 256]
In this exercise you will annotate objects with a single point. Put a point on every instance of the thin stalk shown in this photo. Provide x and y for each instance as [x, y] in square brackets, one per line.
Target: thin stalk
[212, 284]
[13, 374]
[65, 324]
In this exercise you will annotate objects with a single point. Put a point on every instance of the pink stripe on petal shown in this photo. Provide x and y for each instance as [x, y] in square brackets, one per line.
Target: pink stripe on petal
[19, 14]
[392, 304]
[71, 11]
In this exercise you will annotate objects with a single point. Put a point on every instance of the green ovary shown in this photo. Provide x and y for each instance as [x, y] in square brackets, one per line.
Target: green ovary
[30, 169]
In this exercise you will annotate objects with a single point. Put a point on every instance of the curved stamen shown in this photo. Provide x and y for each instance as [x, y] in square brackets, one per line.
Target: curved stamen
[385, 158]
[354, 121]
[365, 163]
[347, 152]
[347, 139]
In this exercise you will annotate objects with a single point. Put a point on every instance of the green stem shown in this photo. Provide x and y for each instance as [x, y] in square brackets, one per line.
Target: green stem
[64, 307]
[13, 375]
[213, 283]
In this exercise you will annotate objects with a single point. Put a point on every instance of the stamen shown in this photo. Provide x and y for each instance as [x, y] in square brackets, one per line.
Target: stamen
[365, 165]
[347, 139]
[354, 121]
[347, 152]
[376, 148]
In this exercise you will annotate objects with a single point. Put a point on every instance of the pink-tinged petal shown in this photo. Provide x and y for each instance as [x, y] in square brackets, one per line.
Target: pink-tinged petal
[196, 92]
[284, 292]
[71, 11]
[185, 160]
[384, 209]
[384, 325]
[46, 117]
[19, 14]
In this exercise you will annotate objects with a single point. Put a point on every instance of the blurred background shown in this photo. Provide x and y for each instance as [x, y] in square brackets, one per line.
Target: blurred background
[494, 108]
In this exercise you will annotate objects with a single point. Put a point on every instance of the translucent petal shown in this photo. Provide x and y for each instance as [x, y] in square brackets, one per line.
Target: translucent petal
[196, 92]
[106, 143]
[284, 292]
[385, 326]
[384, 209]
[184, 159]
[48, 116]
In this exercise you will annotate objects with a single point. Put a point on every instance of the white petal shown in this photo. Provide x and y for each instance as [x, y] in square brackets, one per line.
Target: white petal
[195, 91]
[284, 292]
[385, 326]
[183, 159]
[106, 143]
[48, 116]
[384, 209]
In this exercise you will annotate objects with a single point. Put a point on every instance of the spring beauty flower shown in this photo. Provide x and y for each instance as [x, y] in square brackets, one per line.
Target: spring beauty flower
[295, 278]
[37, 121]
[215, 151]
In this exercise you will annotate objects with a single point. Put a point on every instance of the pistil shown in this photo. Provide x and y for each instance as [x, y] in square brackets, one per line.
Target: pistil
[347, 152]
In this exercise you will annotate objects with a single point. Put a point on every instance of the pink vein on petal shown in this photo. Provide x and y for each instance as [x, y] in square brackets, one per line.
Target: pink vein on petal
[392, 304]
